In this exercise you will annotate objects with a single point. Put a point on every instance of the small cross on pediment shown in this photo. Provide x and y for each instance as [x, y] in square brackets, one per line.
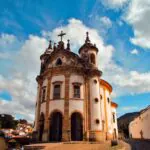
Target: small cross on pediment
[61, 35]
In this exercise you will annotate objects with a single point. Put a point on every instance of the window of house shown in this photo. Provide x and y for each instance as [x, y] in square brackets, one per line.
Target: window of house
[43, 94]
[101, 97]
[58, 62]
[92, 57]
[56, 93]
[77, 91]
[113, 117]
[108, 100]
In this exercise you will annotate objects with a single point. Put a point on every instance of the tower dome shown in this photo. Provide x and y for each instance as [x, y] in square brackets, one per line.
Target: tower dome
[89, 51]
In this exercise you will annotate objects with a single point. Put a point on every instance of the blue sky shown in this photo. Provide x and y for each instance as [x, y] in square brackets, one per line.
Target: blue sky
[114, 24]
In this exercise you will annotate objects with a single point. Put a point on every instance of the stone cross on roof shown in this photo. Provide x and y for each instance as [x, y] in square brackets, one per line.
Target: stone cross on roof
[61, 35]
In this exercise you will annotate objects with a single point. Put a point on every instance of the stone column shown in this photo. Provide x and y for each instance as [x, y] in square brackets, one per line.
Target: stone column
[66, 122]
[46, 123]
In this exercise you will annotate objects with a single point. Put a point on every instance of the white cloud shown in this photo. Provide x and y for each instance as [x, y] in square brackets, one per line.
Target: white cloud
[132, 82]
[106, 22]
[134, 52]
[137, 15]
[4, 55]
[20, 81]
[7, 39]
[114, 4]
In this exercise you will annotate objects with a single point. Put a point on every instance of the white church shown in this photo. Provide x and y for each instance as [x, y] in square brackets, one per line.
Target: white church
[73, 102]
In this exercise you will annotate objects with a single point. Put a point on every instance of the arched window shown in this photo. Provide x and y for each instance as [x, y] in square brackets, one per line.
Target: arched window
[56, 93]
[92, 57]
[58, 62]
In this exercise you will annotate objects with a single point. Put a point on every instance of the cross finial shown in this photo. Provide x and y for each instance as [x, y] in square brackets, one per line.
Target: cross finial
[87, 37]
[61, 35]
[68, 45]
[50, 44]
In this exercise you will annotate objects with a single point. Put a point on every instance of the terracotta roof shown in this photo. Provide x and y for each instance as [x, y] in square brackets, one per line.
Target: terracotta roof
[114, 104]
[106, 84]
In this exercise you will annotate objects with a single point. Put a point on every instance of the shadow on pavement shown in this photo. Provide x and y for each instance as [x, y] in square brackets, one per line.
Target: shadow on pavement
[138, 144]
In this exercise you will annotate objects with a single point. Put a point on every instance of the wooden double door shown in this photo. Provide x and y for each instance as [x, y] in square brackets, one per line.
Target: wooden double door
[76, 127]
[55, 127]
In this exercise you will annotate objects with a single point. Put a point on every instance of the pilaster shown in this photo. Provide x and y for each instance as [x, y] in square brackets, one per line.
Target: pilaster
[66, 131]
[39, 107]
[46, 123]
[105, 109]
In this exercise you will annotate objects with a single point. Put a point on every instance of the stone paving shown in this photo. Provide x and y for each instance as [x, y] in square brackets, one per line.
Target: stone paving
[76, 146]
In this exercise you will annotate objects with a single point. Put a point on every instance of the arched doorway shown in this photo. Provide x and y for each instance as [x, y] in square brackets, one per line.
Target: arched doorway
[115, 134]
[55, 127]
[76, 127]
[41, 126]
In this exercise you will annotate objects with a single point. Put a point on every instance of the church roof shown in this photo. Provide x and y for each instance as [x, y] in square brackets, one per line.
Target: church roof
[88, 46]
[106, 84]
[114, 104]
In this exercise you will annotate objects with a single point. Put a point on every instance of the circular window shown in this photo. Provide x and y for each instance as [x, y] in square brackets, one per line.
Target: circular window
[96, 100]
[97, 121]
[95, 81]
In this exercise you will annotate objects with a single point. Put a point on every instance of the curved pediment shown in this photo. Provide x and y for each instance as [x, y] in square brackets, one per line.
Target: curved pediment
[60, 58]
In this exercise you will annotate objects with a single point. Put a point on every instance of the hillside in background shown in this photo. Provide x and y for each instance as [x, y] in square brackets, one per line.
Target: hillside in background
[123, 123]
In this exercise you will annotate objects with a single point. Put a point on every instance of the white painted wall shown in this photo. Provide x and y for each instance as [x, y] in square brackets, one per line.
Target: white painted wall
[109, 113]
[76, 105]
[58, 78]
[141, 123]
[43, 108]
[95, 107]
[56, 104]
[102, 103]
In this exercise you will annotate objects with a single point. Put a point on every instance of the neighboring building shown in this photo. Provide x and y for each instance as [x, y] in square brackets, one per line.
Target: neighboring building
[139, 128]
[73, 102]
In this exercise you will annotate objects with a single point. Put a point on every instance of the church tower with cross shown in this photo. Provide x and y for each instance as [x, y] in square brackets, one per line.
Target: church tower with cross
[73, 102]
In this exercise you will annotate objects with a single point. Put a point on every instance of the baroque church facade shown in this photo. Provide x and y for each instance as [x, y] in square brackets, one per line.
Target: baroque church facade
[73, 102]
